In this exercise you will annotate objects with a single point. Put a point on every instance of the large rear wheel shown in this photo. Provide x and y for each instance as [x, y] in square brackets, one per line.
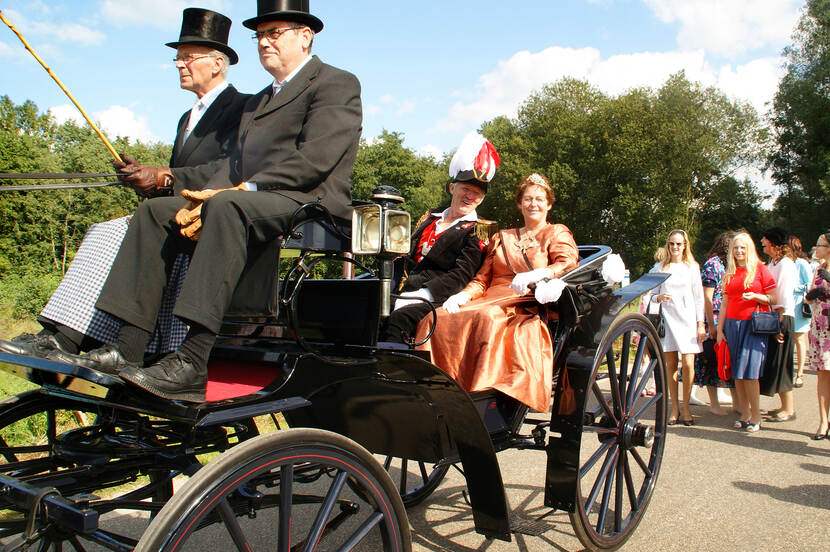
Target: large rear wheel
[623, 434]
[296, 489]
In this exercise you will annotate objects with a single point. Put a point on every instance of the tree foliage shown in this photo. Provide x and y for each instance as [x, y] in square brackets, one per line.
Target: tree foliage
[801, 118]
[627, 169]
[41, 230]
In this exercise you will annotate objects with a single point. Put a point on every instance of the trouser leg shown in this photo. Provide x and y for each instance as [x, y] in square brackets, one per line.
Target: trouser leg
[401, 324]
[231, 220]
[134, 288]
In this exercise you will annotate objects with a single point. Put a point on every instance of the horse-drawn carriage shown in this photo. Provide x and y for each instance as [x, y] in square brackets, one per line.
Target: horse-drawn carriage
[314, 435]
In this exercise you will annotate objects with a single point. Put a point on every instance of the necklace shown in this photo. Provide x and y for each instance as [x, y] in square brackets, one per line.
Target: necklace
[525, 242]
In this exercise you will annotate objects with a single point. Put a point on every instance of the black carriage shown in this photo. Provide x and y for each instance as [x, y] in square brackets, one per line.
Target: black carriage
[309, 418]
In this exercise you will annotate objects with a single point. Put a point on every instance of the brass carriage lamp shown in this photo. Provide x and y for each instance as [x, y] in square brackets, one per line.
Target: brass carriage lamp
[382, 228]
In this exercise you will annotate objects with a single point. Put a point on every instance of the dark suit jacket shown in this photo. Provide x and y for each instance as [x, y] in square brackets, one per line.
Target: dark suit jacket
[302, 142]
[194, 161]
[452, 262]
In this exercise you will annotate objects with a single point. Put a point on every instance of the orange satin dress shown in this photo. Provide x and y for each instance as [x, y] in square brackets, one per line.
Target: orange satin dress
[498, 340]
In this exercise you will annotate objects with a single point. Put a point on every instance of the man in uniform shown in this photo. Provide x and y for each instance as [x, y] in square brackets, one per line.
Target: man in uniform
[447, 246]
[297, 143]
[205, 136]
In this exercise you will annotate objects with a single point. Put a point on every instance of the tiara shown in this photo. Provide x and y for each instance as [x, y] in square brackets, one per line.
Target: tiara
[537, 179]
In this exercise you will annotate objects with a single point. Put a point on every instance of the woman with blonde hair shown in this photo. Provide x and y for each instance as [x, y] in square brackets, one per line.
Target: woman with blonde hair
[747, 285]
[681, 301]
[818, 297]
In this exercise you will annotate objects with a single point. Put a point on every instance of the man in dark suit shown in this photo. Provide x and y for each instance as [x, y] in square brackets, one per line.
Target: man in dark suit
[297, 143]
[205, 136]
[448, 245]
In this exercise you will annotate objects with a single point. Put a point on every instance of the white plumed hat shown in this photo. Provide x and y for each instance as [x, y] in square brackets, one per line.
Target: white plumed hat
[475, 161]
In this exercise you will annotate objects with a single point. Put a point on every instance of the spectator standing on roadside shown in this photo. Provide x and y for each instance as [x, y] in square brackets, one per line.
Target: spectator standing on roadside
[777, 377]
[706, 366]
[802, 323]
[818, 298]
[681, 298]
[747, 285]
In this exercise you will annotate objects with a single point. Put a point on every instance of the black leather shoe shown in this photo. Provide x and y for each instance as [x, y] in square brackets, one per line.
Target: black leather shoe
[174, 377]
[107, 359]
[38, 345]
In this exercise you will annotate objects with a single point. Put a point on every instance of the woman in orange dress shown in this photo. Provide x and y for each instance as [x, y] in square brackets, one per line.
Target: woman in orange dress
[491, 335]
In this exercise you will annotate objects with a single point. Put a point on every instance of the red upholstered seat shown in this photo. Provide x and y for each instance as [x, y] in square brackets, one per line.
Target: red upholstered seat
[228, 379]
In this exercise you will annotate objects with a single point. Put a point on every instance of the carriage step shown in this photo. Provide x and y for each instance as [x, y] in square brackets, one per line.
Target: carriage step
[528, 526]
[62, 511]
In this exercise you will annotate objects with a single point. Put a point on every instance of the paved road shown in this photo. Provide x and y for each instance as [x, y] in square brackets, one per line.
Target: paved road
[719, 489]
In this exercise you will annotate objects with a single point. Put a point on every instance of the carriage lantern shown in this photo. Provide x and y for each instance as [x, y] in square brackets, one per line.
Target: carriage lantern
[382, 229]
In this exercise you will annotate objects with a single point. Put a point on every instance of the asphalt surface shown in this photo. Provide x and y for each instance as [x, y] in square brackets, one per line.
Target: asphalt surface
[718, 489]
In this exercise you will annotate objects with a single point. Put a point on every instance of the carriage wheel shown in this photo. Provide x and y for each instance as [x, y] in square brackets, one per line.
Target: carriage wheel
[297, 489]
[416, 480]
[40, 416]
[623, 435]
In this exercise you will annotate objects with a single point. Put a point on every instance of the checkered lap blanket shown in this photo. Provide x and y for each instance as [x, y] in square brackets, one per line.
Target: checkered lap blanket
[73, 302]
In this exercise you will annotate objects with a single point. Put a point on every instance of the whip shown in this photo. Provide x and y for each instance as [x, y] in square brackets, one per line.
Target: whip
[62, 87]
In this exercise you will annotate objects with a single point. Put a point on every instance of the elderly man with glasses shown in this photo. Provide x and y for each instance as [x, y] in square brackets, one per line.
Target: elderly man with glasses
[204, 138]
[297, 143]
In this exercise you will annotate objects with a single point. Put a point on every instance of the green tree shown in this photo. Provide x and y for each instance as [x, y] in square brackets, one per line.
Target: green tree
[801, 118]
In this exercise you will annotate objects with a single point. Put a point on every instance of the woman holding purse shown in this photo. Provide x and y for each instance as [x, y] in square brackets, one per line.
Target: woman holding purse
[818, 358]
[748, 286]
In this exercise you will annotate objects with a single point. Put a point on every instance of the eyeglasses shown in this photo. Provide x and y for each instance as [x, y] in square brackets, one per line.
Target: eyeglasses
[273, 34]
[187, 60]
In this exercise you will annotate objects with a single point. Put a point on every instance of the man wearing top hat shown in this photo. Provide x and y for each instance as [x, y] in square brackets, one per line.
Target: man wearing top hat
[205, 135]
[297, 143]
[448, 246]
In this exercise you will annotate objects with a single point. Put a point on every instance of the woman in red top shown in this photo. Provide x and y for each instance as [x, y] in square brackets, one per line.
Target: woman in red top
[748, 285]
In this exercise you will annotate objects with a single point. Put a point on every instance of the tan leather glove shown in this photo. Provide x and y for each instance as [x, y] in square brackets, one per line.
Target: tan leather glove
[189, 217]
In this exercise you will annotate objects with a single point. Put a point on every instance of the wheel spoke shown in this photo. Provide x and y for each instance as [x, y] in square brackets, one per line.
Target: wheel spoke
[606, 492]
[614, 381]
[325, 510]
[648, 404]
[362, 531]
[635, 390]
[286, 494]
[629, 484]
[618, 493]
[606, 466]
[603, 448]
[404, 468]
[232, 524]
[600, 396]
[643, 465]
[624, 372]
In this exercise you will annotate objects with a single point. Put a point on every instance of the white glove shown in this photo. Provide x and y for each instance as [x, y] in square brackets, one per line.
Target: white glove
[522, 280]
[424, 293]
[549, 291]
[613, 269]
[452, 304]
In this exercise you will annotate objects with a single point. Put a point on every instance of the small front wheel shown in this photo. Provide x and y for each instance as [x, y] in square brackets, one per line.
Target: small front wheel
[296, 489]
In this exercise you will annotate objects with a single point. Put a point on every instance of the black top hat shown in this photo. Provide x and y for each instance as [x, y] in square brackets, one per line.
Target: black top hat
[284, 10]
[205, 28]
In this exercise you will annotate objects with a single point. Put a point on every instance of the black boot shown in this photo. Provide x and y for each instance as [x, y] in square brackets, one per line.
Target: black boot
[174, 377]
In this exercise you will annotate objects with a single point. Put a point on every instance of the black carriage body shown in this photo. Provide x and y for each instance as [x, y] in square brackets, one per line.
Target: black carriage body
[327, 371]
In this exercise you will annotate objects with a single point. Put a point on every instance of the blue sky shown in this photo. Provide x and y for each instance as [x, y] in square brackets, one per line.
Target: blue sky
[431, 70]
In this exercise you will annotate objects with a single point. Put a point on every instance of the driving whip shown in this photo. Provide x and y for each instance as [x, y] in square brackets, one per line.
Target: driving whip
[62, 87]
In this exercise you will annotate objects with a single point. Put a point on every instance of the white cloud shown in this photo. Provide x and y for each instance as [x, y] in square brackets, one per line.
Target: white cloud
[116, 121]
[729, 27]
[6, 50]
[163, 14]
[500, 92]
[70, 32]
[387, 99]
[430, 150]
[371, 110]
[406, 106]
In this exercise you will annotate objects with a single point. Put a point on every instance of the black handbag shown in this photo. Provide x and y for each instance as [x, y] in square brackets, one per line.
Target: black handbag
[656, 319]
[765, 322]
[806, 311]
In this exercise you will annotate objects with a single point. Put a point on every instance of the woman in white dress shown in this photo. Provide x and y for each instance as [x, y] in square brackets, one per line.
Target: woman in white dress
[681, 301]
